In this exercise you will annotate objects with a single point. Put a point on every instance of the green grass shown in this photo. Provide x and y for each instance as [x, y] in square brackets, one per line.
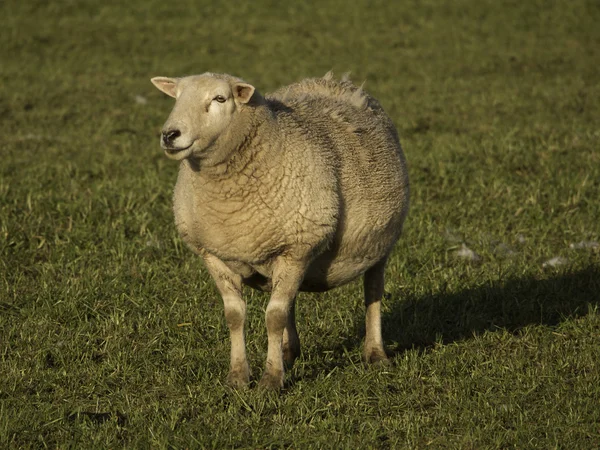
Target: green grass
[112, 334]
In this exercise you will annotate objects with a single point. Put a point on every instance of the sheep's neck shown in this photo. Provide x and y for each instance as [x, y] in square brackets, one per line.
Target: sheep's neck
[236, 149]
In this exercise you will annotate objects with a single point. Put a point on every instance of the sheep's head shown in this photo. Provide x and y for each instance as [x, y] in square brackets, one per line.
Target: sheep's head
[204, 109]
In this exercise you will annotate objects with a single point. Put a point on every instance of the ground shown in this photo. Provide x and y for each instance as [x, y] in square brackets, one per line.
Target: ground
[113, 335]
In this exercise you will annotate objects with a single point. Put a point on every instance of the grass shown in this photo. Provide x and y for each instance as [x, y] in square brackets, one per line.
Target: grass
[111, 333]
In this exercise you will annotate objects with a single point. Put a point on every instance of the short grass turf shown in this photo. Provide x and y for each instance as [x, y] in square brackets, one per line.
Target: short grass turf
[112, 334]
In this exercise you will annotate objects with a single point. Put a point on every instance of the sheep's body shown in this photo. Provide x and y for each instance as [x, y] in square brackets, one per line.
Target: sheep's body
[304, 189]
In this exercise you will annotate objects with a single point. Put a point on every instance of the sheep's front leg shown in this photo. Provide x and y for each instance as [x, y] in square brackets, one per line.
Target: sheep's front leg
[373, 351]
[291, 341]
[287, 277]
[229, 285]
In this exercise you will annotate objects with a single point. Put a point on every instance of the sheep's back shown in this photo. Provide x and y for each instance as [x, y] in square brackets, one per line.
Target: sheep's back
[342, 120]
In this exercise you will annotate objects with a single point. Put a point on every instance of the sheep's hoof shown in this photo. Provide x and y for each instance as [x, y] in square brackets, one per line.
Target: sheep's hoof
[238, 379]
[376, 357]
[271, 382]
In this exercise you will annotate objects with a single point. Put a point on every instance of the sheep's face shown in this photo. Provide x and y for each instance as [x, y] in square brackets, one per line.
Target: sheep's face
[205, 107]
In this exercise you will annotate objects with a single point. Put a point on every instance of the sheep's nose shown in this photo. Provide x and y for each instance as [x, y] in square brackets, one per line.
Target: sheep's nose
[169, 136]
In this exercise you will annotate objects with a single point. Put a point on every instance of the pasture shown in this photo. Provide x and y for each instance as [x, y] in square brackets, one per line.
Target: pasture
[111, 333]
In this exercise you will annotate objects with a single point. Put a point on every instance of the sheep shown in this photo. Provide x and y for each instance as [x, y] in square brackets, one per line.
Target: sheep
[304, 189]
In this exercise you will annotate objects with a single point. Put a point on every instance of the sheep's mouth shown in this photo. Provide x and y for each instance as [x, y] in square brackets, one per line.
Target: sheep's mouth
[174, 150]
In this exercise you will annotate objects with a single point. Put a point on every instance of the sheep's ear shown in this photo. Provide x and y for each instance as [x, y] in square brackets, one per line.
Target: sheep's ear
[242, 92]
[166, 85]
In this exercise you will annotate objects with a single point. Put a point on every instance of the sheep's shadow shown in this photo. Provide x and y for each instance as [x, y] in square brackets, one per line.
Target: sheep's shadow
[420, 322]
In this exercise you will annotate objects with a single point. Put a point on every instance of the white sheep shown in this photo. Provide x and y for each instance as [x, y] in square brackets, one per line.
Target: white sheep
[304, 189]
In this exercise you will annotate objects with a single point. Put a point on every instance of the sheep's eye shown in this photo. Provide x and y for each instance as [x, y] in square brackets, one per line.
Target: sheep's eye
[220, 99]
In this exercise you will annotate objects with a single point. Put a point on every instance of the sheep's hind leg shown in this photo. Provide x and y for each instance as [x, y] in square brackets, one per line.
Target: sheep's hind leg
[229, 285]
[287, 277]
[373, 351]
[291, 342]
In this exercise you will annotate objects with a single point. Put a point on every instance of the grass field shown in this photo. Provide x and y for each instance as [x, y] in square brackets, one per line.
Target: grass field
[111, 333]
